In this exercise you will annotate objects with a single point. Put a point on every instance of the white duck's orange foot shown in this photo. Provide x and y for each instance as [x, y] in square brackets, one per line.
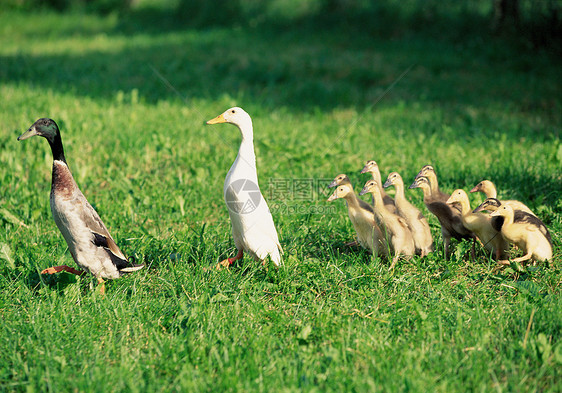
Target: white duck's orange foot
[63, 268]
[224, 264]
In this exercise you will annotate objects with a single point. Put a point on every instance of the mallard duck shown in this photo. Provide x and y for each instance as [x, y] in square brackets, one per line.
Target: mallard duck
[396, 228]
[362, 217]
[372, 167]
[450, 219]
[530, 236]
[489, 189]
[414, 218]
[480, 224]
[253, 228]
[89, 242]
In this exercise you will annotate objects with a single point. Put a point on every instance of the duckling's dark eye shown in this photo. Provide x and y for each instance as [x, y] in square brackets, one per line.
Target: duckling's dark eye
[233, 111]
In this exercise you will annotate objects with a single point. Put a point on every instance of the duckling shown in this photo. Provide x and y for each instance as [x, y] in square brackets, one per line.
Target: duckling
[493, 204]
[450, 219]
[489, 189]
[373, 168]
[89, 242]
[414, 218]
[361, 216]
[395, 226]
[428, 172]
[530, 236]
[253, 228]
[338, 180]
[480, 224]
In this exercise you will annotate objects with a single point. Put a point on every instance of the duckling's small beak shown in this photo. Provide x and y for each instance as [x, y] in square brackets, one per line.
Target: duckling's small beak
[387, 183]
[332, 197]
[333, 184]
[217, 120]
[365, 169]
[364, 191]
[414, 184]
[32, 131]
[495, 213]
[450, 201]
[475, 189]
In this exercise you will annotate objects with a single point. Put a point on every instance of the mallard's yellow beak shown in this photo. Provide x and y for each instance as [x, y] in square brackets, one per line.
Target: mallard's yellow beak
[217, 120]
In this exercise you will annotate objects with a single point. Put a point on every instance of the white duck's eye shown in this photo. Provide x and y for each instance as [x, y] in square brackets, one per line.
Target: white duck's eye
[233, 111]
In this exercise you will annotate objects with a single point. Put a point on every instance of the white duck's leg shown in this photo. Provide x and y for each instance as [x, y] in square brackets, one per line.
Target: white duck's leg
[229, 261]
[58, 269]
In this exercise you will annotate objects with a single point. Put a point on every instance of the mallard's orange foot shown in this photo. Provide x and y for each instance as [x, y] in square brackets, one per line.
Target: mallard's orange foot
[101, 284]
[63, 268]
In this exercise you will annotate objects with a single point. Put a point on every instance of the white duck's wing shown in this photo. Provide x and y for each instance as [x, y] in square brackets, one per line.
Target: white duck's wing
[258, 233]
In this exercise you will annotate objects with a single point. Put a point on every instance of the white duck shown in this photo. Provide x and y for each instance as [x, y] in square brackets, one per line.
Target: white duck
[89, 242]
[253, 229]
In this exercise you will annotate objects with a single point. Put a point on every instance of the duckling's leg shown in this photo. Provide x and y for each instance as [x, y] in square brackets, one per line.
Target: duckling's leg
[58, 269]
[447, 241]
[524, 257]
[229, 261]
[394, 260]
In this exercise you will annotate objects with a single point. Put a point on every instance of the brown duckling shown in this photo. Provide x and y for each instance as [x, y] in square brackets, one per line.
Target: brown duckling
[428, 172]
[450, 219]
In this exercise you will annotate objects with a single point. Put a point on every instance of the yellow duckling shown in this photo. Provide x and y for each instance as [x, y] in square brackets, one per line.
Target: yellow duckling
[414, 218]
[489, 189]
[373, 168]
[530, 236]
[396, 228]
[361, 216]
[480, 224]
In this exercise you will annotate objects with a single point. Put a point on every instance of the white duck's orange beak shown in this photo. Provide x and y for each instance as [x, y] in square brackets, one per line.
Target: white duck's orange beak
[217, 120]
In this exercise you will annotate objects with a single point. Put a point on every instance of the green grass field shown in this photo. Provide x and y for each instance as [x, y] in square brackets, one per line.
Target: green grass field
[131, 94]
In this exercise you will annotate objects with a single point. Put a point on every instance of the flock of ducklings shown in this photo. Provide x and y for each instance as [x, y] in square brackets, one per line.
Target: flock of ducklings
[396, 228]
[390, 227]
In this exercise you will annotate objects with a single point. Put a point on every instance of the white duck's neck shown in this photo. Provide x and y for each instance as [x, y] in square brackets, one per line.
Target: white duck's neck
[246, 159]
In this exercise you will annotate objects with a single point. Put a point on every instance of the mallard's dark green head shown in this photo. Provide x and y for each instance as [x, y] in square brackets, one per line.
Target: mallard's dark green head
[44, 127]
